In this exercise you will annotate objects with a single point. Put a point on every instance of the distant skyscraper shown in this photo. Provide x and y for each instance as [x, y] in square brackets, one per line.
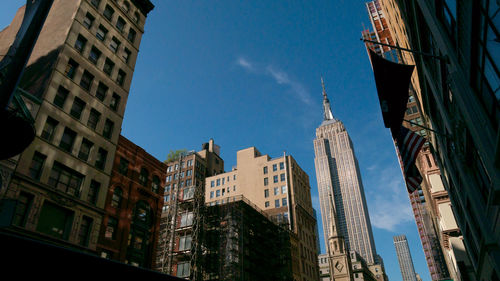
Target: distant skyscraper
[404, 258]
[337, 173]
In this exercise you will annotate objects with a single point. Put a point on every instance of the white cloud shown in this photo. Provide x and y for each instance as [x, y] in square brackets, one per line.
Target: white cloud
[245, 64]
[390, 205]
[280, 76]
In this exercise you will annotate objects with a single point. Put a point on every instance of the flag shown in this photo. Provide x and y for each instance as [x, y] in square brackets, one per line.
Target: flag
[408, 145]
[393, 83]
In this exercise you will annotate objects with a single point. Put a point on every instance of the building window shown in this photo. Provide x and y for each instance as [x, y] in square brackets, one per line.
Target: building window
[101, 33]
[93, 119]
[95, 3]
[100, 162]
[120, 78]
[218, 182]
[67, 140]
[36, 165]
[80, 43]
[115, 101]
[217, 193]
[71, 68]
[65, 179]
[265, 170]
[282, 165]
[212, 183]
[77, 108]
[266, 204]
[275, 179]
[186, 219]
[188, 193]
[126, 55]
[185, 243]
[61, 95]
[114, 44]
[276, 203]
[266, 193]
[166, 198]
[108, 66]
[102, 89]
[125, 6]
[88, 20]
[283, 202]
[111, 228]
[108, 129]
[123, 168]
[137, 17]
[282, 177]
[116, 199]
[276, 191]
[283, 189]
[155, 184]
[131, 35]
[86, 81]
[183, 269]
[94, 55]
[211, 194]
[120, 24]
[23, 207]
[84, 232]
[85, 149]
[143, 177]
[266, 181]
[49, 129]
[108, 12]
[93, 194]
[55, 221]
[275, 167]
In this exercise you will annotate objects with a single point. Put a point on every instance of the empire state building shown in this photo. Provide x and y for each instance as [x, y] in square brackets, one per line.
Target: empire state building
[337, 173]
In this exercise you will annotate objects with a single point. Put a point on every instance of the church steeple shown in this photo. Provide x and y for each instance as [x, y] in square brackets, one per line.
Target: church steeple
[327, 111]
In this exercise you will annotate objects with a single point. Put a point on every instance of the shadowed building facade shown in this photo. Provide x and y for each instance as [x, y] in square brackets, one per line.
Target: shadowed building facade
[80, 70]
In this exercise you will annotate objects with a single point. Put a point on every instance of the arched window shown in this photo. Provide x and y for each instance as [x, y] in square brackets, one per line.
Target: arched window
[116, 200]
[155, 185]
[126, 6]
[137, 17]
[143, 177]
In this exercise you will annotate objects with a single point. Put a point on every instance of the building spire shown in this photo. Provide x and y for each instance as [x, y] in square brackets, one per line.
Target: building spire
[327, 111]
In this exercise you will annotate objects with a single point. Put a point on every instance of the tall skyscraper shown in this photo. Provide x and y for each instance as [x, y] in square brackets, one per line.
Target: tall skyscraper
[404, 258]
[337, 173]
[79, 73]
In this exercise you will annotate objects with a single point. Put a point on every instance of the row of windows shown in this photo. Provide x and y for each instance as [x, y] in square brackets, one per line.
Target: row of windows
[64, 178]
[275, 167]
[221, 181]
[221, 192]
[284, 203]
[76, 111]
[275, 179]
[68, 140]
[51, 227]
[87, 78]
[276, 191]
[180, 175]
[120, 24]
[184, 164]
[123, 169]
[125, 6]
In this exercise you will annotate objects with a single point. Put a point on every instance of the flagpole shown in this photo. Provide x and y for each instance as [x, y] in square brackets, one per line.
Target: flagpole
[418, 125]
[444, 58]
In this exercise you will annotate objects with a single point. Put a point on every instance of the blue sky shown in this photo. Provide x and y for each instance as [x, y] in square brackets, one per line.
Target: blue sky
[247, 73]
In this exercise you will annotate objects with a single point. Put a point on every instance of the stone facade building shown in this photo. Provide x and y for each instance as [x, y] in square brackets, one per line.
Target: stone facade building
[80, 70]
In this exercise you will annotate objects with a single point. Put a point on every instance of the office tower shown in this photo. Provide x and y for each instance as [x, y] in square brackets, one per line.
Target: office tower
[337, 173]
[456, 95]
[79, 73]
[242, 242]
[281, 189]
[404, 258]
[179, 251]
[131, 223]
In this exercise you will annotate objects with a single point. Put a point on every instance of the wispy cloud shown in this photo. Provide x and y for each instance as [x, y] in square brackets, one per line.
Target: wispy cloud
[280, 76]
[245, 64]
[390, 206]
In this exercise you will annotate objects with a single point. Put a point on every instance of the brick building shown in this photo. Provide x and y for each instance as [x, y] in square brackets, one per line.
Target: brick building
[130, 227]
